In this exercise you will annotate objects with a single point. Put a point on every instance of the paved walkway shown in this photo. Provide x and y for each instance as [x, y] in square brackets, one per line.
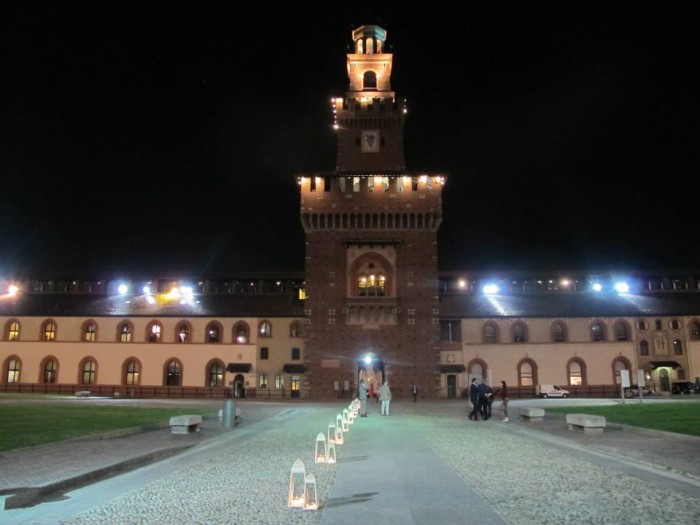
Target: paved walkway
[426, 463]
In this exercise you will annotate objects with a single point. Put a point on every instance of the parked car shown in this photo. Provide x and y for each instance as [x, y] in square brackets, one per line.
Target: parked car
[546, 391]
[633, 391]
[685, 387]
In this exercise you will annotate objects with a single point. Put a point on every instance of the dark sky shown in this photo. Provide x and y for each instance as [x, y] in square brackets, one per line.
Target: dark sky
[166, 136]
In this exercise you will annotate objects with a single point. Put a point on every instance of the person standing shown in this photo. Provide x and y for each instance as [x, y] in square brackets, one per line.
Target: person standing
[362, 395]
[385, 398]
[474, 399]
[503, 394]
[414, 392]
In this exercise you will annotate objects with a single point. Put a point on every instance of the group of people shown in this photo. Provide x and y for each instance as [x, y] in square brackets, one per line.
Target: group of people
[384, 397]
[481, 398]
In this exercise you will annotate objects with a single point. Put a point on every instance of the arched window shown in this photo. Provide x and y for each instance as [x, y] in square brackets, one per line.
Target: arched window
[213, 333]
[14, 368]
[558, 332]
[643, 347]
[125, 330]
[490, 333]
[618, 366]
[677, 347]
[182, 332]
[88, 372]
[132, 373]
[369, 80]
[215, 374]
[173, 373]
[153, 332]
[519, 331]
[13, 330]
[476, 369]
[527, 373]
[371, 285]
[90, 331]
[597, 331]
[296, 329]
[621, 331]
[48, 331]
[240, 333]
[49, 371]
[265, 329]
[695, 330]
[576, 372]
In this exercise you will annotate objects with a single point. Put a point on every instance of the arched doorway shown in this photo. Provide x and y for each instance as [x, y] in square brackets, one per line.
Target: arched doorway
[370, 368]
[239, 386]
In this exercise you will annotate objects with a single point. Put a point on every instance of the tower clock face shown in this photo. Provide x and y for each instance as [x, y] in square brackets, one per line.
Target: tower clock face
[370, 141]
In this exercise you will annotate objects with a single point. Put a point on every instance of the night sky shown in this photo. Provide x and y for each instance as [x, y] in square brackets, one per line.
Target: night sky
[166, 136]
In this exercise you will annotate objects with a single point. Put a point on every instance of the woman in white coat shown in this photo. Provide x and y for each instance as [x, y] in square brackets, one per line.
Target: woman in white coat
[385, 398]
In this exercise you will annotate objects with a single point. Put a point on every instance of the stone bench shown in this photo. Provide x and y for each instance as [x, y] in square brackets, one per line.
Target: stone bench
[532, 413]
[586, 422]
[185, 424]
[82, 393]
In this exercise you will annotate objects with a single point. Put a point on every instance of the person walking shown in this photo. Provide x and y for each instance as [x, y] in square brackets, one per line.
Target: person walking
[385, 398]
[414, 392]
[474, 399]
[362, 396]
[503, 394]
[484, 405]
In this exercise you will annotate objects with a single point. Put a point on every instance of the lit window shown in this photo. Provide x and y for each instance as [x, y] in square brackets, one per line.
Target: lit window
[13, 370]
[90, 334]
[265, 329]
[13, 331]
[216, 375]
[88, 373]
[50, 331]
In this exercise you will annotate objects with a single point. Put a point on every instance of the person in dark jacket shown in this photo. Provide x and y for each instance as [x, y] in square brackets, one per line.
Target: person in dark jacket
[484, 400]
[474, 399]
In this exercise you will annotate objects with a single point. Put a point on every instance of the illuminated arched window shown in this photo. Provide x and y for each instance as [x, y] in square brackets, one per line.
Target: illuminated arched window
[371, 285]
[13, 371]
[240, 333]
[154, 331]
[527, 373]
[88, 372]
[49, 371]
[13, 330]
[576, 371]
[265, 329]
[90, 332]
[183, 333]
[215, 374]
[125, 333]
[48, 331]
[173, 373]
[213, 333]
[132, 373]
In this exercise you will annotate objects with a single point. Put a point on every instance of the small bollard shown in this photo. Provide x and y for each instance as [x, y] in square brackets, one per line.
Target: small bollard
[229, 415]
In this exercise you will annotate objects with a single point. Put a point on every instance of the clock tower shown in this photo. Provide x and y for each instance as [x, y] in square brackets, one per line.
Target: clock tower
[372, 308]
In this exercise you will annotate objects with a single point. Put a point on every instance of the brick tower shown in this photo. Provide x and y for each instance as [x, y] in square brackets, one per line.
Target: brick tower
[371, 227]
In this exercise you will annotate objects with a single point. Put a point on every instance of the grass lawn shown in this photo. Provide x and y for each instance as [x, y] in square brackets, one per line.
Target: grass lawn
[30, 424]
[682, 417]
